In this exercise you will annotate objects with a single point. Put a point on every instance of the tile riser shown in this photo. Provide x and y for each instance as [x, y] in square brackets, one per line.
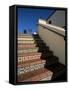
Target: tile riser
[27, 58]
[29, 63]
[30, 68]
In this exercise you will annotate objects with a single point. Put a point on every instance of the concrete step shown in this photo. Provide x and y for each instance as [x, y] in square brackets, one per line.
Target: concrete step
[26, 42]
[41, 45]
[22, 46]
[29, 50]
[58, 69]
[43, 49]
[39, 42]
[51, 60]
[37, 75]
[36, 36]
[25, 38]
[46, 55]
[24, 35]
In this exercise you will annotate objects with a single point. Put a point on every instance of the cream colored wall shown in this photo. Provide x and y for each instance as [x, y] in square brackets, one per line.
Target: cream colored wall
[58, 18]
[54, 41]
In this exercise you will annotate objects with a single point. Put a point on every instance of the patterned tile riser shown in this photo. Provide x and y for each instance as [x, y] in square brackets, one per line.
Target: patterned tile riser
[26, 58]
[30, 68]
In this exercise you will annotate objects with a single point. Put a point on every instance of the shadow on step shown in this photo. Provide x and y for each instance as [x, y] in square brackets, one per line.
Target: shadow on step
[52, 62]
[59, 72]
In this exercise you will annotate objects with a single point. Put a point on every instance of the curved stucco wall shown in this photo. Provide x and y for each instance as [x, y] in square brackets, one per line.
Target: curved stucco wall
[54, 41]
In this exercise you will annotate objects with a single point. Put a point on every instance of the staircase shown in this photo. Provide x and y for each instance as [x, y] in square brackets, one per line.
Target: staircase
[36, 62]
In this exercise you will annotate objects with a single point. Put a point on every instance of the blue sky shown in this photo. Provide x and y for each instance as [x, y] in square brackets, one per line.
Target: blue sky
[28, 18]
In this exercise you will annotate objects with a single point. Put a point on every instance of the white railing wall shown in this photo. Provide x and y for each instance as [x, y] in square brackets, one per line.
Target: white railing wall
[53, 37]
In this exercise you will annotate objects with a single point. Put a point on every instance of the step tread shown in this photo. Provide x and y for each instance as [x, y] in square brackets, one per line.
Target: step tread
[52, 60]
[25, 38]
[26, 41]
[57, 67]
[44, 47]
[29, 48]
[47, 54]
[30, 54]
[36, 75]
[19, 34]
[31, 62]
[26, 46]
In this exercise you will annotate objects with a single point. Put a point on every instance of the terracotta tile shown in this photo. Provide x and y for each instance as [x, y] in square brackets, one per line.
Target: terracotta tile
[36, 75]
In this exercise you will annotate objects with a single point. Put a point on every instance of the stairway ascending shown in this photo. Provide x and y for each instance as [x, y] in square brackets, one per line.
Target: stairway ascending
[35, 61]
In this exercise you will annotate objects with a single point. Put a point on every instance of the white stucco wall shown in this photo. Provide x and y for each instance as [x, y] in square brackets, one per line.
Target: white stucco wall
[54, 41]
[58, 18]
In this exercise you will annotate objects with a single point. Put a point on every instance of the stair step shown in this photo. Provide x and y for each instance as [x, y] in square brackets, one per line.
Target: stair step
[25, 35]
[57, 69]
[29, 50]
[40, 41]
[26, 41]
[20, 49]
[31, 62]
[43, 49]
[37, 39]
[36, 75]
[46, 55]
[29, 56]
[36, 36]
[52, 60]
[41, 45]
[32, 65]
[25, 38]
[21, 46]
